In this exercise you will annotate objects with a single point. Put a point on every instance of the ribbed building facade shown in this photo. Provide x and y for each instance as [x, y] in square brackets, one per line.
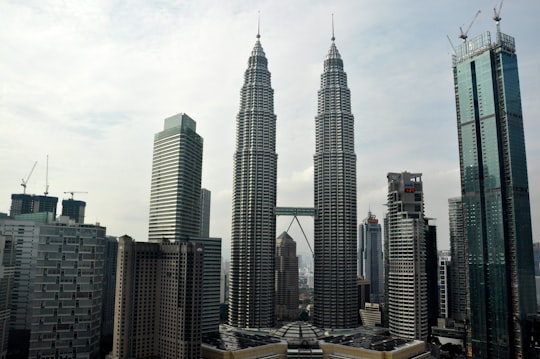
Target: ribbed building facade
[253, 237]
[286, 278]
[406, 277]
[176, 180]
[370, 257]
[495, 194]
[335, 242]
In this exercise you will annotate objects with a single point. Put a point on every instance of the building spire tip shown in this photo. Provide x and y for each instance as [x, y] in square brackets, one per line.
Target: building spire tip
[259, 25]
[333, 37]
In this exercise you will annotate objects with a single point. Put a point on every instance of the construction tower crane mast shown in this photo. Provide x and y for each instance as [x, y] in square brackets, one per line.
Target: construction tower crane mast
[25, 181]
[73, 192]
[464, 33]
[497, 16]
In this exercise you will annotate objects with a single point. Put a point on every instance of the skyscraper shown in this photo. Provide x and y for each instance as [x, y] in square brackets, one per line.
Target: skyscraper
[405, 236]
[205, 213]
[286, 278]
[495, 194]
[74, 209]
[458, 269]
[176, 180]
[370, 255]
[335, 297]
[253, 237]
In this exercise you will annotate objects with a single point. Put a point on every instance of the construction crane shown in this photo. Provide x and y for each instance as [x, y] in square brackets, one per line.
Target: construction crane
[24, 182]
[47, 178]
[497, 15]
[464, 33]
[73, 192]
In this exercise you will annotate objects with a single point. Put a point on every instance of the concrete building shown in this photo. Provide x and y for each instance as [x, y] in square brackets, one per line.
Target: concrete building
[66, 309]
[158, 299]
[495, 195]
[253, 233]
[370, 256]
[406, 277]
[335, 234]
[445, 289]
[176, 181]
[458, 253]
[27, 203]
[286, 278]
[109, 286]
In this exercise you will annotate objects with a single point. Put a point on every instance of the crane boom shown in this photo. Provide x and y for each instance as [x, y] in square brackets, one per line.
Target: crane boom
[25, 181]
[73, 192]
[497, 13]
[464, 33]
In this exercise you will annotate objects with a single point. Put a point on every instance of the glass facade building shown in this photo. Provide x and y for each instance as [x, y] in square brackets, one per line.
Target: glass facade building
[370, 257]
[253, 234]
[495, 194]
[336, 224]
[176, 181]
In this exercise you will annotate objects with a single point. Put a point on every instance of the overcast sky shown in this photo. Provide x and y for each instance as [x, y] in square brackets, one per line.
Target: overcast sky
[90, 82]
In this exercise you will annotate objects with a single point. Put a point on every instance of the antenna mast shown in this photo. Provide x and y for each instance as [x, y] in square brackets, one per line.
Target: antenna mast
[333, 37]
[47, 178]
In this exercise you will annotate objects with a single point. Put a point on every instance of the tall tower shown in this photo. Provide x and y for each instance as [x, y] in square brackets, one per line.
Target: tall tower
[405, 236]
[205, 213]
[176, 180]
[253, 237]
[335, 292]
[286, 278]
[495, 193]
[370, 255]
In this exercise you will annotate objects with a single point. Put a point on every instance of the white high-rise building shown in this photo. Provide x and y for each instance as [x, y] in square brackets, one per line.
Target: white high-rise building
[406, 278]
[176, 180]
[253, 237]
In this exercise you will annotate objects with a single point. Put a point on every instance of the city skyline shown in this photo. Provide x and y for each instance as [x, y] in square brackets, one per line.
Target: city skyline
[86, 86]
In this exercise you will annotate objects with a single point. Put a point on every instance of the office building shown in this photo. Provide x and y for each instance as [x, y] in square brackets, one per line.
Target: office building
[7, 266]
[370, 256]
[158, 299]
[432, 268]
[205, 213]
[406, 277]
[335, 235]
[109, 286]
[253, 232]
[176, 181]
[458, 254]
[45, 204]
[445, 290]
[74, 209]
[495, 195]
[66, 309]
[286, 278]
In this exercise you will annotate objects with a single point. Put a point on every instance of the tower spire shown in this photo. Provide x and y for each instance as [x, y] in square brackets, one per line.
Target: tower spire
[259, 25]
[333, 37]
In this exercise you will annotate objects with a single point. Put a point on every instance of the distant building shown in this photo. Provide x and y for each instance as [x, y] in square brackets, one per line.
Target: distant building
[406, 277]
[74, 209]
[286, 278]
[109, 285]
[458, 253]
[206, 196]
[445, 289]
[176, 180]
[7, 265]
[67, 301]
[432, 269]
[371, 315]
[28, 203]
[370, 256]
[363, 290]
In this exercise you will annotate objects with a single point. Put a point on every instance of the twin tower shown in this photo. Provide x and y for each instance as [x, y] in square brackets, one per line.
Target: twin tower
[253, 237]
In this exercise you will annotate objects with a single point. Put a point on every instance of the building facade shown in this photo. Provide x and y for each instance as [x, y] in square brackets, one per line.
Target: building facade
[66, 310]
[458, 254]
[445, 290]
[206, 196]
[495, 195]
[7, 269]
[406, 277]
[370, 256]
[335, 234]
[176, 180]
[286, 278]
[74, 209]
[110, 256]
[253, 237]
